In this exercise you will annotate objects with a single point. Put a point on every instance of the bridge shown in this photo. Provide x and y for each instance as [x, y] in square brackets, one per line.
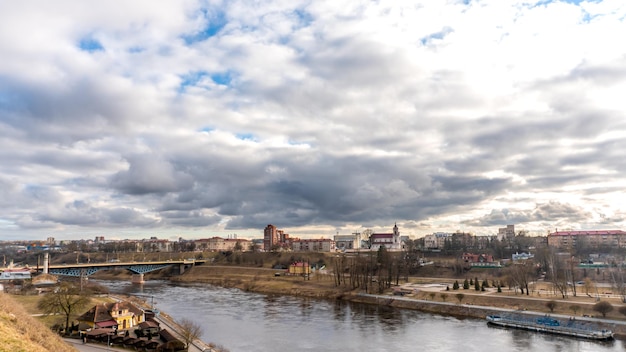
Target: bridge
[137, 268]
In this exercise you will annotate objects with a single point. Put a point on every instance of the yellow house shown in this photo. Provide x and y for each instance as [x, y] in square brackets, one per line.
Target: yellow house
[299, 268]
[121, 315]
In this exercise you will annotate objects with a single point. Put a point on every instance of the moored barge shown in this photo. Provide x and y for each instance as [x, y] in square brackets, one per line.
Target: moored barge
[549, 325]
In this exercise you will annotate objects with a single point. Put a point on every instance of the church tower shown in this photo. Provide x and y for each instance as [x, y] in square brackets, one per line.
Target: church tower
[396, 234]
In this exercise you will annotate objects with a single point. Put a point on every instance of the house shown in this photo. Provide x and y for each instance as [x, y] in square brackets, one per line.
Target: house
[521, 256]
[299, 268]
[121, 315]
[148, 328]
[480, 260]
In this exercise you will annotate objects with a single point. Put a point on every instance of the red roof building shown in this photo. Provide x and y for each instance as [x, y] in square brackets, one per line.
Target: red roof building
[391, 241]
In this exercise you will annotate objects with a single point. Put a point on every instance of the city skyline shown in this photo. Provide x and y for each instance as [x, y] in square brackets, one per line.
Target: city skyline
[188, 118]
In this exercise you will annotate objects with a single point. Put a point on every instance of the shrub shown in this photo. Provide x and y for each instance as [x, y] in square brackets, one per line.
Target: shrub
[603, 307]
[460, 297]
[551, 305]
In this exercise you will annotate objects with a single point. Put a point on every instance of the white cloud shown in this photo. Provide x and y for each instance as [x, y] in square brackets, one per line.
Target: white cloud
[314, 116]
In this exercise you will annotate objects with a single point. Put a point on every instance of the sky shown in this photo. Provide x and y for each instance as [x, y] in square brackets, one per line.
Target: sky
[210, 118]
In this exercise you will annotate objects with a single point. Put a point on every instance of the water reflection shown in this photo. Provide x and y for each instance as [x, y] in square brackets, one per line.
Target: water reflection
[245, 321]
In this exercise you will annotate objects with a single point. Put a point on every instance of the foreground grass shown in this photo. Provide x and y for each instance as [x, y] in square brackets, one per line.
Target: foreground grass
[19, 331]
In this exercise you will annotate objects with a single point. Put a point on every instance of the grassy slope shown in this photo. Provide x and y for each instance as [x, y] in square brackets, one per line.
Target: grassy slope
[21, 332]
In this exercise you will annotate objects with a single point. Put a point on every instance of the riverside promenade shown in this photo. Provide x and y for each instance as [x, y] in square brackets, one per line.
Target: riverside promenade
[168, 323]
[91, 347]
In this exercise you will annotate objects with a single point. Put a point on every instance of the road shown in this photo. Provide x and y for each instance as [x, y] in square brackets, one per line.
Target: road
[91, 347]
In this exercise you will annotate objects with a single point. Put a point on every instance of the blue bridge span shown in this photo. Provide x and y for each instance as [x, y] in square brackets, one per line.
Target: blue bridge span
[137, 268]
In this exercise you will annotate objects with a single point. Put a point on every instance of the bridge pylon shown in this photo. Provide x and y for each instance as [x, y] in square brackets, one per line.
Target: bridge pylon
[137, 279]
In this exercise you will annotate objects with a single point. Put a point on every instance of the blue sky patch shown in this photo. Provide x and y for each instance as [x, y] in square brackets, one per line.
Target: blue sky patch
[304, 18]
[436, 36]
[195, 78]
[245, 136]
[223, 78]
[191, 79]
[90, 45]
[214, 22]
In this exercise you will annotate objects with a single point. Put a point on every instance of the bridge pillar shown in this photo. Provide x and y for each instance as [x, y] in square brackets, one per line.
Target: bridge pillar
[181, 269]
[137, 279]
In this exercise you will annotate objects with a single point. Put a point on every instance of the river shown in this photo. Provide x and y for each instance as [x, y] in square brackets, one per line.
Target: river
[244, 321]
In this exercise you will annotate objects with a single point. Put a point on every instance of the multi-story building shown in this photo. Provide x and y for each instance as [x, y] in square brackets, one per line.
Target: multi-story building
[348, 242]
[219, 244]
[313, 245]
[436, 240]
[506, 233]
[272, 236]
[154, 245]
[592, 239]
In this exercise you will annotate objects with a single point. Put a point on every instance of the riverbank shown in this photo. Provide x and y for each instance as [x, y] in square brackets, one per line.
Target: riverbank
[422, 295]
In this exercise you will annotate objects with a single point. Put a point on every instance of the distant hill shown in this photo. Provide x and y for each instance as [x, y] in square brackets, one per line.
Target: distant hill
[21, 332]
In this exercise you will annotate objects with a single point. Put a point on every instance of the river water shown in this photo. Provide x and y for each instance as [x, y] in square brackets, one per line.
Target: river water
[243, 322]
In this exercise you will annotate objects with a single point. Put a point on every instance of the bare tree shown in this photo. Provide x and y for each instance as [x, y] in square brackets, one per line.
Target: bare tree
[590, 286]
[551, 305]
[618, 276]
[67, 299]
[558, 273]
[622, 310]
[338, 270]
[520, 273]
[575, 308]
[603, 307]
[189, 331]
[571, 273]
